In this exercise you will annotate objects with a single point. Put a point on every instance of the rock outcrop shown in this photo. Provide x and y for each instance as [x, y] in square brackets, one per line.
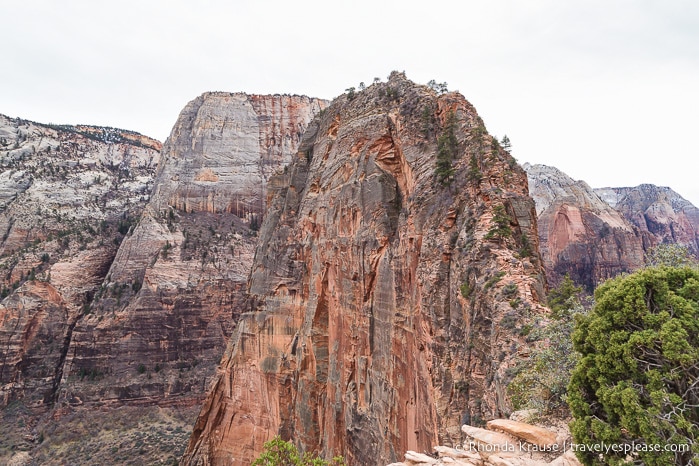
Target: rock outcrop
[384, 307]
[66, 193]
[161, 319]
[579, 233]
[518, 444]
[659, 213]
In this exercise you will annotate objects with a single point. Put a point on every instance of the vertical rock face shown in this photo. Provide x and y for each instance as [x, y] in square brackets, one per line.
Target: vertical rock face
[65, 194]
[162, 317]
[662, 215]
[384, 306]
[580, 234]
[224, 147]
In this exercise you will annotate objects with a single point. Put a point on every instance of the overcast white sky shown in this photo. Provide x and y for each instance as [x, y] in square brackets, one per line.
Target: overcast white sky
[604, 90]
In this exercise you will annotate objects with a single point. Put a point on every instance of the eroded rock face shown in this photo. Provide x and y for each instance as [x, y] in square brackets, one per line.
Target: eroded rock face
[662, 215]
[384, 307]
[65, 194]
[579, 233]
[161, 319]
[225, 147]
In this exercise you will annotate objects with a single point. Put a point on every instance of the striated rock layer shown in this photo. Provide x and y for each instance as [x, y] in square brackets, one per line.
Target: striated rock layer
[662, 215]
[384, 306]
[66, 194]
[579, 233]
[163, 315]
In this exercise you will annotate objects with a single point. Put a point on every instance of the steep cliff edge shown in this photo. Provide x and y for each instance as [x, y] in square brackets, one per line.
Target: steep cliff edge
[385, 307]
[579, 233]
[662, 215]
[162, 317]
[66, 193]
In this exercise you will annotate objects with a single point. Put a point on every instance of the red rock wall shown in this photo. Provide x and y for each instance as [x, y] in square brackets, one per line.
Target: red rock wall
[359, 340]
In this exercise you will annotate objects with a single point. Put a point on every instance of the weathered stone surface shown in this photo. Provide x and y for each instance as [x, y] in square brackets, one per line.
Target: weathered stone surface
[580, 234]
[377, 295]
[486, 447]
[532, 434]
[225, 147]
[162, 317]
[492, 443]
[419, 457]
[64, 191]
[662, 215]
[566, 459]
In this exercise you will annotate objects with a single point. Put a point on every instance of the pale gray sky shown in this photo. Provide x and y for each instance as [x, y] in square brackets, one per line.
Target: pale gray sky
[604, 90]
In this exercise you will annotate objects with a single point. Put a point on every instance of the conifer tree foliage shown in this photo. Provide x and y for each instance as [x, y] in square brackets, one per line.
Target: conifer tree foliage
[637, 382]
[447, 151]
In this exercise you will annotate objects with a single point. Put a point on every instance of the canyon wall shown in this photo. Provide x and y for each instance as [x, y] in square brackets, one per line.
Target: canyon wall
[161, 319]
[659, 213]
[66, 194]
[596, 234]
[385, 307]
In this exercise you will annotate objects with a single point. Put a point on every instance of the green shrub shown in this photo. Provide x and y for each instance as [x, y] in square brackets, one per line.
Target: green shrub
[671, 255]
[465, 290]
[492, 281]
[278, 452]
[637, 379]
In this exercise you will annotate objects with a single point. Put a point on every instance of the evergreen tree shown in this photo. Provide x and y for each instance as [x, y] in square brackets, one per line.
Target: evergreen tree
[505, 143]
[447, 149]
[637, 382]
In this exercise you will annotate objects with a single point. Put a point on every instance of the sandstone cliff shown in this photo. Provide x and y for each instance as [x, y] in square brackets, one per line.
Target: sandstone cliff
[579, 233]
[662, 215]
[65, 195]
[385, 308]
[161, 319]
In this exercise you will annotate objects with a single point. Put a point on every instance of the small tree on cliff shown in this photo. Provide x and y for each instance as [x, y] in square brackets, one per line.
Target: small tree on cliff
[501, 224]
[505, 143]
[637, 382]
[447, 150]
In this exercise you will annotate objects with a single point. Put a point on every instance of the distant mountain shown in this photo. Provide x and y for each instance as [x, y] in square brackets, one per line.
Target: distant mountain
[595, 234]
[662, 215]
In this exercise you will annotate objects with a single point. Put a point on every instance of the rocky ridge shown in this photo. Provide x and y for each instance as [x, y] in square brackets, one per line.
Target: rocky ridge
[579, 233]
[595, 234]
[658, 212]
[384, 307]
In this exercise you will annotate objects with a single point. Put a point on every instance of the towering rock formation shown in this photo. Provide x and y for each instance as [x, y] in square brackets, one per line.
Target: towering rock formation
[579, 233]
[385, 308]
[67, 194]
[162, 317]
[95, 321]
[662, 215]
